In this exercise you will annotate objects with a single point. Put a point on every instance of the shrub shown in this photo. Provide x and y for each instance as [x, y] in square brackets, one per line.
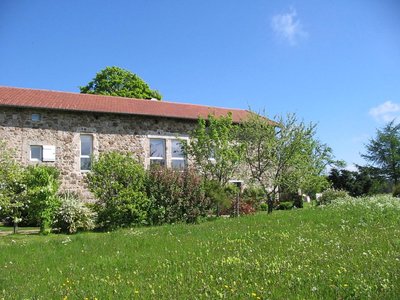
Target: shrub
[298, 201]
[11, 186]
[396, 191]
[118, 183]
[73, 215]
[331, 194]
[41, 194]
[284, 205]
[219, 197]
[246, 208]
[264, 207]
[176, 196]
[372, 208]
[254, 196]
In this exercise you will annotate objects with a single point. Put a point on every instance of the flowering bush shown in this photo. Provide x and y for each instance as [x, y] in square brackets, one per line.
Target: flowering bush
[381, 203]
[246, 208]
[73, 215]
[331, 194]
[176, 196]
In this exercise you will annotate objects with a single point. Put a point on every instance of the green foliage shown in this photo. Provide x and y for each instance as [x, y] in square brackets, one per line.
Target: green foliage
[383, 151]
[283, 154]
[176, 196]
[344, 250]
[373, 208]
[298, 201]
[118, 183]
[396, 191]
[219, 196]
[72, 215]
[364, 181]
[214, 149]
[331, 194]
[11, 186]
[264, 207]
[115, 81]
[285, 205]
[42, 185]
[254, 196]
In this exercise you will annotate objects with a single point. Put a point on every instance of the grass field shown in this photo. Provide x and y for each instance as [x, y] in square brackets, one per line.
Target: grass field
[348, 251]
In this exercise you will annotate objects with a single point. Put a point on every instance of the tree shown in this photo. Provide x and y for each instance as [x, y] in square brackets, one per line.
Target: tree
[216, 153]
[283, 155]
[11, 187]
[364, 181]
[214, 148]
[115, 81]
[383, 152]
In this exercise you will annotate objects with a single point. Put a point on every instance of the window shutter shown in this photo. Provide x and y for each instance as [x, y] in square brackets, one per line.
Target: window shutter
[49, 153]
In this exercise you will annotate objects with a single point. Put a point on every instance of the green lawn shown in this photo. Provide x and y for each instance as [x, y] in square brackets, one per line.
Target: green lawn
[344, 252]
[20, 229]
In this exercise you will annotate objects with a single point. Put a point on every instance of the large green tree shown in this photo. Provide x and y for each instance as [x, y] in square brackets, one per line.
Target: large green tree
[214, 148]
[363, 181]
[115, 81]
[283, 155]
[383, 152]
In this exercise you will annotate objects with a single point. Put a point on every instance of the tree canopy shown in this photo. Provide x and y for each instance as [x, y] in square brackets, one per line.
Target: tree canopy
[383, 152]
[213, 149]
[115, 81]
[363, 181]
[285, 156]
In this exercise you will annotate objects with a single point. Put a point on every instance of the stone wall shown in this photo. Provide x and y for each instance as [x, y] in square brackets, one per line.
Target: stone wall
[62, 129]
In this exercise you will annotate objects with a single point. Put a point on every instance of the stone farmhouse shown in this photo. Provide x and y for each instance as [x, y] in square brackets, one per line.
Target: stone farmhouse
[65, 129]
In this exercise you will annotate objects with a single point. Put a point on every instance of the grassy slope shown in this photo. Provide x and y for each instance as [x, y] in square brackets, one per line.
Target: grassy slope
[302, 254]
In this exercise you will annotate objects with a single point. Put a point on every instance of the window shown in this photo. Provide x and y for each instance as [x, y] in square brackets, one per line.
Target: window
[45, 153]
[86, 152]
[36, 117]
[36, 153]
[157, 152]
[178, 160]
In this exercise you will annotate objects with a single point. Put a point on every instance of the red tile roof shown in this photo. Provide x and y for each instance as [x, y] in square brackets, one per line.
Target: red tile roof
[23, 97]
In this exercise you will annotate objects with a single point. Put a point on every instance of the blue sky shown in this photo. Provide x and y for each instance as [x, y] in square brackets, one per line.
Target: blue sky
[335, 63]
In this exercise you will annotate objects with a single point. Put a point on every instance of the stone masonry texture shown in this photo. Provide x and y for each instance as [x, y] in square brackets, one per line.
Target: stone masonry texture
[62, 129]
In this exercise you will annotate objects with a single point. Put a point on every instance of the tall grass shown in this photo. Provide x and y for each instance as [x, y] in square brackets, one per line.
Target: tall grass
[347, 250]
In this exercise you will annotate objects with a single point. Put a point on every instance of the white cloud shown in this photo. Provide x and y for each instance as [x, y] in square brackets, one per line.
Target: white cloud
[385, 112]
[288, 27]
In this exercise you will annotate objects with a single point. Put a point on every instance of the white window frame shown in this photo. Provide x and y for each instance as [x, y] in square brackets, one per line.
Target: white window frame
[41, 153]
[158, 158]
[168, 147]
[178, 158]
[85, 156]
